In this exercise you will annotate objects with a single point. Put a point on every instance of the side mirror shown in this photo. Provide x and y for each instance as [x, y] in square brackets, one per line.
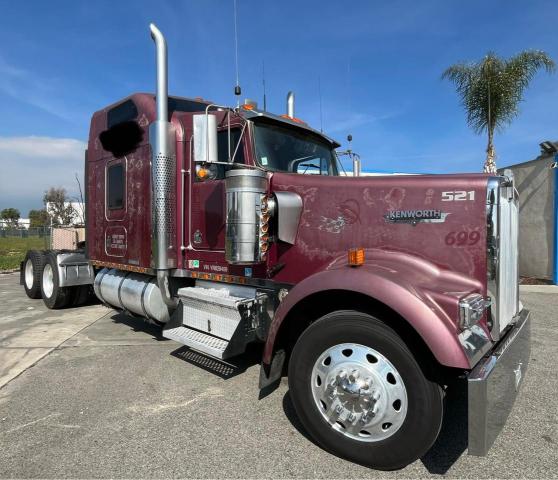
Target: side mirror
[205, 138]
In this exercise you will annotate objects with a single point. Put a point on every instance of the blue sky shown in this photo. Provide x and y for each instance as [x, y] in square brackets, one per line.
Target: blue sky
[379, 65]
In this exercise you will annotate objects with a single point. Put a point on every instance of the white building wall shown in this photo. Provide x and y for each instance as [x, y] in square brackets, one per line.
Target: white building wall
[534, 181]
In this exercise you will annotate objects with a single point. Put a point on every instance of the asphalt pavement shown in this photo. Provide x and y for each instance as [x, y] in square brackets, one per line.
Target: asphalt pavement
[90, 393]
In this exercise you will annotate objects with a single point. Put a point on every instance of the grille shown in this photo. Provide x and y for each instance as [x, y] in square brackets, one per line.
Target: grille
[507, 258]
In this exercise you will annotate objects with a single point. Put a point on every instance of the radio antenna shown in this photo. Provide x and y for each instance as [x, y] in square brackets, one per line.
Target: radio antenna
[320, 95]
[349, 84]
[349, 109]
[237, 89]
[263, 82]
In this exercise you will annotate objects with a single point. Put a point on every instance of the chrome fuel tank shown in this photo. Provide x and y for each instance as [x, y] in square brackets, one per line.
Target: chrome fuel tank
[132, 292]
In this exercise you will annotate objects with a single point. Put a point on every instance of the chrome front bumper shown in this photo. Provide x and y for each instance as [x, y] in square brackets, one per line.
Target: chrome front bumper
[493, 385]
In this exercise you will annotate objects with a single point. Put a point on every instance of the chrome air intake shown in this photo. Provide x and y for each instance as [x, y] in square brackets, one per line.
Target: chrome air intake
[247, 220]
[163, 175]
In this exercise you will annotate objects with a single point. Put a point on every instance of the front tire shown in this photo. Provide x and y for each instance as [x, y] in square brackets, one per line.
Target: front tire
[53, 294]
[360, 393]
[32, 272]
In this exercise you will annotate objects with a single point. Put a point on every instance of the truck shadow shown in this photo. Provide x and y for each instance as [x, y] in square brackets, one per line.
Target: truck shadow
[139, 324]
[451, 442]
[224, 369]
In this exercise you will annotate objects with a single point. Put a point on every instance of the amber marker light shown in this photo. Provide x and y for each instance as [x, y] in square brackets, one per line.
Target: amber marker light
[201, 173]
[293, 119]
[356, 257]
[247, 106]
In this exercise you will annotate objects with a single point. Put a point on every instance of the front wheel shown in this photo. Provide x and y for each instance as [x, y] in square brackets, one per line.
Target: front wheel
[360, 393]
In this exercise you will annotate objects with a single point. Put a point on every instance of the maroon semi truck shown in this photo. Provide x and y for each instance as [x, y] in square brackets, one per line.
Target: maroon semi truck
[230, 226]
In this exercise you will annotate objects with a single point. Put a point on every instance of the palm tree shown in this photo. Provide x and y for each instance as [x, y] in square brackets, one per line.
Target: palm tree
[491, 90]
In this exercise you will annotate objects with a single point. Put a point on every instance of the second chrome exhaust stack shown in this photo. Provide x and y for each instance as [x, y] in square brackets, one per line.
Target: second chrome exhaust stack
[162, 139]
[291, 104]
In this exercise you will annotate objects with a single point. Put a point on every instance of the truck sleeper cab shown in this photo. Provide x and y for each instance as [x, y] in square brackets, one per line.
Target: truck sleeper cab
[230, 226]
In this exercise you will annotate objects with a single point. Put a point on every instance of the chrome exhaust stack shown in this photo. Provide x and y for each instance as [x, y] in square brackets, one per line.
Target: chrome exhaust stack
[162, 139]
[291, 104]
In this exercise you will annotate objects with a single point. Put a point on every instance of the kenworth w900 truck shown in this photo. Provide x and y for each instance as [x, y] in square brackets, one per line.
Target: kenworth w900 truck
[229, 226]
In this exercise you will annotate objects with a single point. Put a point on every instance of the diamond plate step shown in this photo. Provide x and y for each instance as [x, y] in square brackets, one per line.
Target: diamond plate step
[203, 342]
[212, 311]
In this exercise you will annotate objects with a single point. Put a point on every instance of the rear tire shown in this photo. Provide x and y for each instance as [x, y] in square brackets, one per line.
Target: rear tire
[361, 394]
[32, 272]
[53, 294]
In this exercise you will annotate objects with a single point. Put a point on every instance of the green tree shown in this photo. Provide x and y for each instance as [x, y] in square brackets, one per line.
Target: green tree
[492, 89]
[38, 218]
[58, 206]
[11, 217]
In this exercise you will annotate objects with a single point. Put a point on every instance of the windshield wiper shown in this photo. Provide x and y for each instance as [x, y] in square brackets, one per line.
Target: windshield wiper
[308, 165]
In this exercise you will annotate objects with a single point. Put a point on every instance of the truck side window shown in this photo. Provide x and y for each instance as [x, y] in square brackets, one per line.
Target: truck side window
[223, 152]
[115, 186]
[223, 146]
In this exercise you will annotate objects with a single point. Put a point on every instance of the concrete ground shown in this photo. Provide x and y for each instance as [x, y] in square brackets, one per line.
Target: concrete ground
[89, 393]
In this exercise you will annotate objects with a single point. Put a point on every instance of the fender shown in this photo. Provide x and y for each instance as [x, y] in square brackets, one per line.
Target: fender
[423, 294]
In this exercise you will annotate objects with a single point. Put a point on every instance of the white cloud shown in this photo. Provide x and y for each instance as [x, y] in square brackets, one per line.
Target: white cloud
[30, 165]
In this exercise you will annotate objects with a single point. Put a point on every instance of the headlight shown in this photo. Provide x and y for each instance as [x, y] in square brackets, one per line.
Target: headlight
[471, 309]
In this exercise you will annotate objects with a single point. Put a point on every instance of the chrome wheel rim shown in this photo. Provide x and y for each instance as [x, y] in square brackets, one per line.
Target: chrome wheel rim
[359, 392]
[29, 274]
[48, 281]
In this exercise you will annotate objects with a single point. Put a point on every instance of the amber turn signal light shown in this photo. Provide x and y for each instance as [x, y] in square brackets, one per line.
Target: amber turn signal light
[356, 257]
[202, 173]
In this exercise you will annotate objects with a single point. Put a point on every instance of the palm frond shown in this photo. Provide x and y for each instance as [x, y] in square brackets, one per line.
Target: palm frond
[492, 89]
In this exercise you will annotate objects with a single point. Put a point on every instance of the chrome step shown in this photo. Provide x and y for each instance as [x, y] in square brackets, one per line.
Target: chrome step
[202, 342]
[219, 320]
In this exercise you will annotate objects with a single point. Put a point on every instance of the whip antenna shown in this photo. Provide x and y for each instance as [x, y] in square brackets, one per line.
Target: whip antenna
[263, 82]
[320, 95]
[237, 90]
[349, 104]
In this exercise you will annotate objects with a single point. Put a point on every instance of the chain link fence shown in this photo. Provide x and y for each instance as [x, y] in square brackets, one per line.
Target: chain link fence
[14, 242]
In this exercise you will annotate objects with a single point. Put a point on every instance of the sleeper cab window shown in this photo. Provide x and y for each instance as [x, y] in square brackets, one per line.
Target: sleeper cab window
[123, 134]
[115, 186]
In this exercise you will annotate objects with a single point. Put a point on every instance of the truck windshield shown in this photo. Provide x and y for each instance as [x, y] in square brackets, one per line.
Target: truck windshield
[283, 149]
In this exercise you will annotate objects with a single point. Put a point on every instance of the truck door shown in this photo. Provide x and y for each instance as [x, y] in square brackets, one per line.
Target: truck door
[116, 242]
[207, 204]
